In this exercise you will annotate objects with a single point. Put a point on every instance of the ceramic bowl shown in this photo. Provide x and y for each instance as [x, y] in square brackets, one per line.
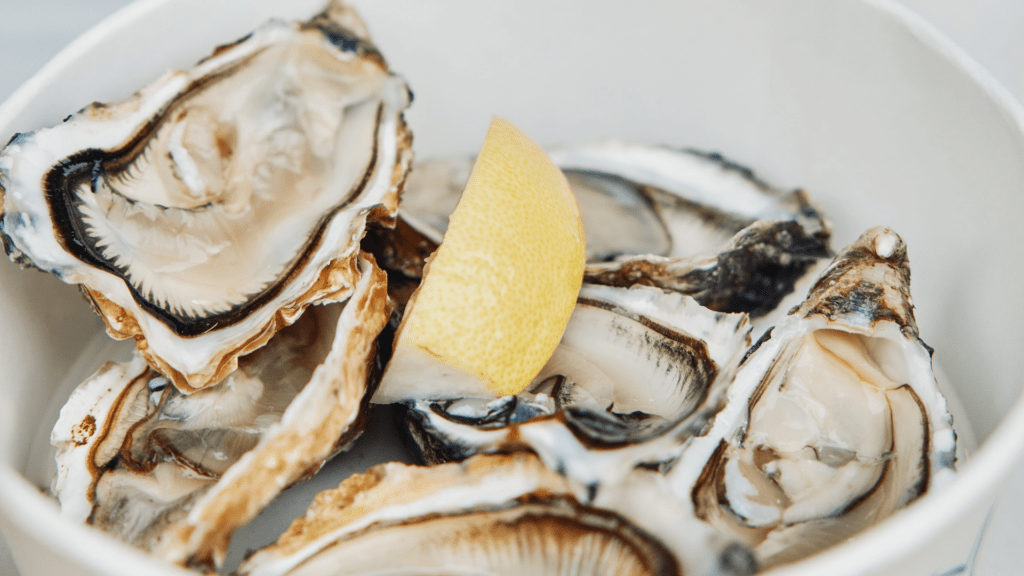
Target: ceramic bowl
[857, 101]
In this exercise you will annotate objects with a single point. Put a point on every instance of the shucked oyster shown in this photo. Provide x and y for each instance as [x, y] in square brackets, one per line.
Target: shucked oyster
[701, 199]
[504, 515]
[636, 373]
[678, 219]
[177, 474]
[834, 420]
[210, 209]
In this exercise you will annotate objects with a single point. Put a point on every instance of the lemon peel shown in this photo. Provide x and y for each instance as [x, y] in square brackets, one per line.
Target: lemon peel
[498, 292]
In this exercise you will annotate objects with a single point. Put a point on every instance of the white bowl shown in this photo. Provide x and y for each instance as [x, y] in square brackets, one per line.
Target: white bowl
[858, 101]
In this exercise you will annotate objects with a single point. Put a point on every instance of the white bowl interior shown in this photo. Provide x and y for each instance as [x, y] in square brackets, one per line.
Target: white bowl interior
[855, 101]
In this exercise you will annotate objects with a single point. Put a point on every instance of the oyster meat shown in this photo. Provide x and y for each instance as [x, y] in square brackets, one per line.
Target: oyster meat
[834, 420]
[208, 210]
[177, 474]
[684, 220]
[637, 372]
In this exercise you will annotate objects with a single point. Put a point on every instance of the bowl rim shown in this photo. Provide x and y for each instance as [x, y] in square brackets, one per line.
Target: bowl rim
[23, 507]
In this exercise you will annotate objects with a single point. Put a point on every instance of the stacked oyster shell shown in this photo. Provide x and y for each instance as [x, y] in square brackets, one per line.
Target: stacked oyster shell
[829, 424]
[203, 217]
[218, 217]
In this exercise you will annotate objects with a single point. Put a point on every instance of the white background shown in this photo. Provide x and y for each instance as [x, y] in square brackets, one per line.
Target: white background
[991, 31]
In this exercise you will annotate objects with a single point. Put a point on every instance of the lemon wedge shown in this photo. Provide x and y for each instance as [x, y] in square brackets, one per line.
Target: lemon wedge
[497, 294]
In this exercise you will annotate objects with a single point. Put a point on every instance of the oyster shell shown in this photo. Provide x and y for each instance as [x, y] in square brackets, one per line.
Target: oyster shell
[678, 219]
[834, 420]
[702, 198]
[210, 209]
[496, 515]
[638, 371]
[177, 474]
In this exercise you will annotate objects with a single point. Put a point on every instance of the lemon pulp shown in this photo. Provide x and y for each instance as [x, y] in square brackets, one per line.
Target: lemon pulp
[498, 292]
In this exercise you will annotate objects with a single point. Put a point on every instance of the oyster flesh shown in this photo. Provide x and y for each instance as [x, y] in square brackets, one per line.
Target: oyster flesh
[684, 220]
[207, 211]
[177, 474]
[637, 372]
[834, 420]
[503, 514]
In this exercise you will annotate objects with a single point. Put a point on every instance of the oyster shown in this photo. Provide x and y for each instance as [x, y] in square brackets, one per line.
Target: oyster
[678, 219]
[177, 474]
[210, 209]
[834, 420]
[701, 198]
[496, 515]
[637, 372]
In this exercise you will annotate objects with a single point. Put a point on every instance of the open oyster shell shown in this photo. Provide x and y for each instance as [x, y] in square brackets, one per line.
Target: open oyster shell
[678, 219]
[210, 209]
[497, 515]
[834, 420]
[637, 372]
[177, 474]
[703, 198]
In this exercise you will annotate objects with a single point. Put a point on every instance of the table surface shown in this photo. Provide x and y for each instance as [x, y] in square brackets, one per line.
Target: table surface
[988, 30]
